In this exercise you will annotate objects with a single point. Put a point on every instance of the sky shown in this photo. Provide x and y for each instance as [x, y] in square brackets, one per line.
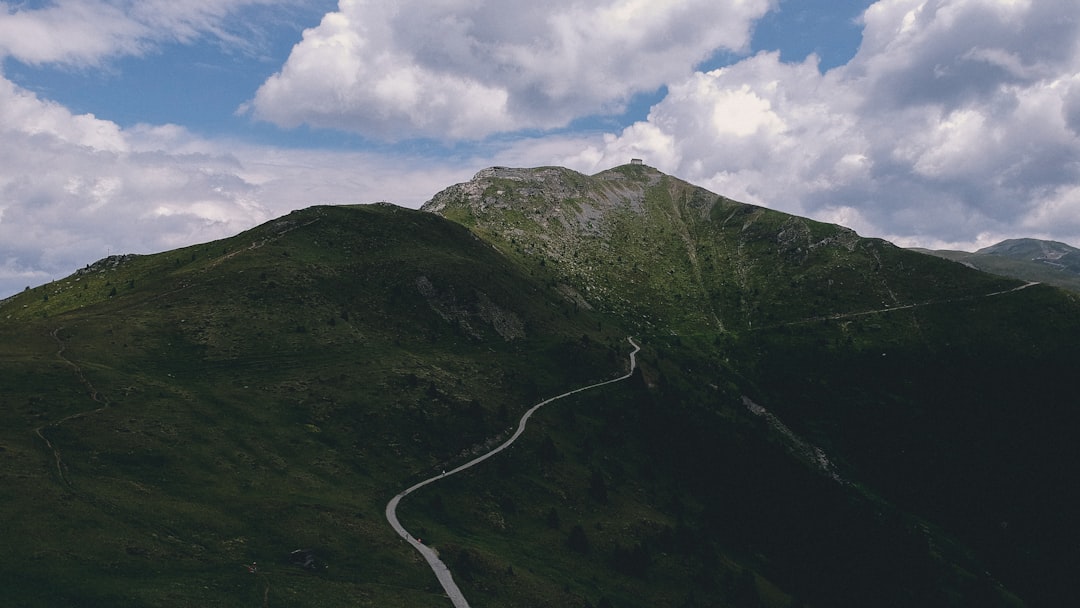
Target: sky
[139, 126]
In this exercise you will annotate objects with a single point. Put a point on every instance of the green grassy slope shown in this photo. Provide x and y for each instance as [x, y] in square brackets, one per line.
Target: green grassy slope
[1047, 262]
[166, 420]
[699, 262]
[859, 346]
[235, 401]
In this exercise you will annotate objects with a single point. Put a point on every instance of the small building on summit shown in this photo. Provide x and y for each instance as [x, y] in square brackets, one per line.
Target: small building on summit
[636, 161]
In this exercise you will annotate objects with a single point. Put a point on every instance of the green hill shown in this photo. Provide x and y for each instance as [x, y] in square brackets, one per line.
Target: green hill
[236, 401]
[697, 261]
[818, 419]
[1047, 262]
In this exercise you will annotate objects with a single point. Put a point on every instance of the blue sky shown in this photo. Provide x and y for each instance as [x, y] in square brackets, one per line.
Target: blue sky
[139, 126]
[200, 86]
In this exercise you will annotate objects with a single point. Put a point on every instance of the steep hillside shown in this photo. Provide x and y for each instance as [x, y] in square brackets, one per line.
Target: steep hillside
[699, 262]
[167, 419]
[929, 386]
[1048, 262]
[817, 418]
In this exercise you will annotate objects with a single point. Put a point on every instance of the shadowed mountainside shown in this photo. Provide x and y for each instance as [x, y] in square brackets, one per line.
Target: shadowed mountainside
[817, 418]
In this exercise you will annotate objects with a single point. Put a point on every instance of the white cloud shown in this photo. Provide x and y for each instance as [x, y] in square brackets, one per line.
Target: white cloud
[22, 112]
[74, 188]
[398, 69]
[955, 118]
[956, 124]
[87, 32]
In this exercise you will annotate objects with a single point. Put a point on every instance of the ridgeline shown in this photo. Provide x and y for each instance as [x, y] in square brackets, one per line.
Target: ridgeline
[816, 418]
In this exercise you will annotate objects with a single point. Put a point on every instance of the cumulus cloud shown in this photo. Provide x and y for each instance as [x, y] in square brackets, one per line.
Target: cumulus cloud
[74, 188]
[397, 69]
[956, 121]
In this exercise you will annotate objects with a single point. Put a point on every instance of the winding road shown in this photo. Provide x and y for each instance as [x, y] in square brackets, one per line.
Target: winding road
[437, 566]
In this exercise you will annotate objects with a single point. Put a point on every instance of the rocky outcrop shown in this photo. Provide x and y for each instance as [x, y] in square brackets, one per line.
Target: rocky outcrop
[471, 314]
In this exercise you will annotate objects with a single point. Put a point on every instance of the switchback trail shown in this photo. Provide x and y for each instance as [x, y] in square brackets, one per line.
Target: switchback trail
[437, 566]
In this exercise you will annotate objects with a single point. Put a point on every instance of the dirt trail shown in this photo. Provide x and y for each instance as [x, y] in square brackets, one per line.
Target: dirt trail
[430, 555]
[61, 469]
[848, 315]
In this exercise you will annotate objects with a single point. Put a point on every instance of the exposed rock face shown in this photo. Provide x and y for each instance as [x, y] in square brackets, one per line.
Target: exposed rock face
[570, 222]
[468, 314]
[505, 188]
[632, 234]
[104, 264]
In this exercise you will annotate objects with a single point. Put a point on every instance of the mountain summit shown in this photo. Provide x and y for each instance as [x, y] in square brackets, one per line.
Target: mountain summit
[632, 234]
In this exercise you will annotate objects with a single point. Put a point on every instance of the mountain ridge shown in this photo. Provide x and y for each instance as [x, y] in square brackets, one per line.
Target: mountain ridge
[620, 224]
[1029, 259]
[269, 393]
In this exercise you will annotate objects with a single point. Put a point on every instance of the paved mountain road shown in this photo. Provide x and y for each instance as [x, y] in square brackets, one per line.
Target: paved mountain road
[437, 566]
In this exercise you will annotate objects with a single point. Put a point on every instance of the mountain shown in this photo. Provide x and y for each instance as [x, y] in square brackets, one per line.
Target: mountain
[816, 419]
[1048, 262]
[171, 418]
[701, 262]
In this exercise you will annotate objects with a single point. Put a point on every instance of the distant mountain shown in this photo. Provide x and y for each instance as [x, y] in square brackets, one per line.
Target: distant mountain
[816, 418]
[1048, 262]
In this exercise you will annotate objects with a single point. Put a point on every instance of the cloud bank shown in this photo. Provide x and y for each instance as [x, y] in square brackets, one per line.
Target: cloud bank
[956, 122]
[465, 69]
[75, 188]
